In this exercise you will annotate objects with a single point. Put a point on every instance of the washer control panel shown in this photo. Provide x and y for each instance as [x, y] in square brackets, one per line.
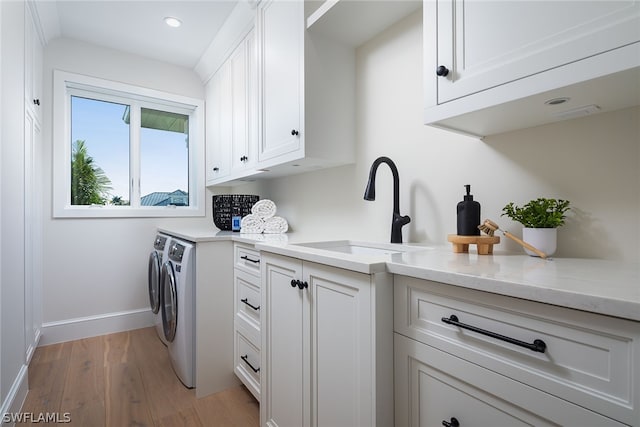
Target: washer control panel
[159, 243]
[176, 251]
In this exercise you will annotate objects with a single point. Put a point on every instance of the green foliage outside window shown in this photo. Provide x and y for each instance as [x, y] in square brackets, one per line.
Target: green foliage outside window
[89, 184]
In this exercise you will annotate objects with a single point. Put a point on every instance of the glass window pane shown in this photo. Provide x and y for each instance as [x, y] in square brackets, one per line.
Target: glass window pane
[99, 152]
[164, 158]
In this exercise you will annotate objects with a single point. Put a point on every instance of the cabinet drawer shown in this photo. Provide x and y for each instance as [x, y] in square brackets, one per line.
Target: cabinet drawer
[432, 386]
[246, 258]
[247, 363]
[589, 359]
[247, 305]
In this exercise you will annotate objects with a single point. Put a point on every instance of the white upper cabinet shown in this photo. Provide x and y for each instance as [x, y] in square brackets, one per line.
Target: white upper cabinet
[281, 31]
[243, 105]
[483, 54]
[306, 93]
[218, 146]
[300, 104]
[232, 125]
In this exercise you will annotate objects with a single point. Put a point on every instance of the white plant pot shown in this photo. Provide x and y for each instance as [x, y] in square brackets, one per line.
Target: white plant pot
[544, 239]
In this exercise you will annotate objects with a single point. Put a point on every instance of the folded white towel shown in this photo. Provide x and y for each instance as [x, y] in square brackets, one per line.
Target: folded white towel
[275, 225]
[264, 208]
[251, 224]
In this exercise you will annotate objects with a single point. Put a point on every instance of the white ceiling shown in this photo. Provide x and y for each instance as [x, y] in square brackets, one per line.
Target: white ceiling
[137, 26]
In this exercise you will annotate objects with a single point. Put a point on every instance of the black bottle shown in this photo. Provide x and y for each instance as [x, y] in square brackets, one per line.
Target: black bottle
[468, 215]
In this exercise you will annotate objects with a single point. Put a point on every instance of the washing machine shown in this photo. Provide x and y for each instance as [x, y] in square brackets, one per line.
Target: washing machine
[178, 308]
[157, 257]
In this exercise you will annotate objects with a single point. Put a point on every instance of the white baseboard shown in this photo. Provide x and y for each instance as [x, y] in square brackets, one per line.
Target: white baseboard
[91, 326]
[15, 398]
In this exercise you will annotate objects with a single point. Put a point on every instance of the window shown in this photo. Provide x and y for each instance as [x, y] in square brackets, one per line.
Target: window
[121, 150]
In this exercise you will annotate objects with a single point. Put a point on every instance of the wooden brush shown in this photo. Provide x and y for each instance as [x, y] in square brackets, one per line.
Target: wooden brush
[489, 227]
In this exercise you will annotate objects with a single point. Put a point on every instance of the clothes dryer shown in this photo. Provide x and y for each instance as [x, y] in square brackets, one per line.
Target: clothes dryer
[178, 308]
[157, 257]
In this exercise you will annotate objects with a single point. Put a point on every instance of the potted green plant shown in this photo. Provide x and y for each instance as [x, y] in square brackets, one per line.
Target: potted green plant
[541, 218]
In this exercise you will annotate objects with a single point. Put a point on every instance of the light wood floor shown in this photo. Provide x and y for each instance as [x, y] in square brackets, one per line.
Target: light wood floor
[125, 379]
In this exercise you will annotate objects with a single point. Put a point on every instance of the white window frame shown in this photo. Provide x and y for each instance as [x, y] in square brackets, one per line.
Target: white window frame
[65, 85]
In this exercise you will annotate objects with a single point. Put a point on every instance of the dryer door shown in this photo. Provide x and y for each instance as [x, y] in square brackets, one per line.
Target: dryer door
[154, 281]
[169, 301]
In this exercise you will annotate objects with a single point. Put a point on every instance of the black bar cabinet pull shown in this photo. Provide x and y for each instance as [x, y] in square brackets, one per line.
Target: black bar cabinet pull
[538, 345]
[246, 301]
[255, 261]
[245, 358]
[452, 423]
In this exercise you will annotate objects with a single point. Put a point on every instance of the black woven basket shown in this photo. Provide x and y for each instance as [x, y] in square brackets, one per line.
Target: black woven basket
[226, 206]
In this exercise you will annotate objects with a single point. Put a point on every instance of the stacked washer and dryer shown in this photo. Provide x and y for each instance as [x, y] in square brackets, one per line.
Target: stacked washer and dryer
[175, 298]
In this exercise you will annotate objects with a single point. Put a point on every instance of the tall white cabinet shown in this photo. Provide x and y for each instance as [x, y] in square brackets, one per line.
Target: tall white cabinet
[20, 192]
[326, 345]
[33, 180]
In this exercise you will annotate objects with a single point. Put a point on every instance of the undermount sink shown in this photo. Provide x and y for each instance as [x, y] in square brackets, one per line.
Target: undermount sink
[361, 248]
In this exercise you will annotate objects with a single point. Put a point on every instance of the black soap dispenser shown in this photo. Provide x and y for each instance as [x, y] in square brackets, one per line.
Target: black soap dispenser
[468, 215]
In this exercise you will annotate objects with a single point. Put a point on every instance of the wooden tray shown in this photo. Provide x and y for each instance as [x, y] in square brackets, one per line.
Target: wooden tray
[484, 243]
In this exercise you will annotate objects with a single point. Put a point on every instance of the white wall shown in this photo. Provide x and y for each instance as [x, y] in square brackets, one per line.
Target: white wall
[97, 267]
[593, 162]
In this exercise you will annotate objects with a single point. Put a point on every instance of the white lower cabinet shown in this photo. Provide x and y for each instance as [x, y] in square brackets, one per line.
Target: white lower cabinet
[434, 388]
[491, 360]
[327, 338]
[247, 307]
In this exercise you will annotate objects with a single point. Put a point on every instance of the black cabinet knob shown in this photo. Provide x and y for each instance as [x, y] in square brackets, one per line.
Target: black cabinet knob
[452, 423]
[36, 102]
[294, 132]
[244, 158]
[216, 169]
[299, 283]
[442, 71]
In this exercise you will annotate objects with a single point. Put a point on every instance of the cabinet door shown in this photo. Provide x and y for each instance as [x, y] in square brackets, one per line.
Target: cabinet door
[217, 126]
[433, 387]
[280, 55]
[341, 347]
[239, 129]
[32, 234]
[33, 56]
[488, 43]
[283, 381]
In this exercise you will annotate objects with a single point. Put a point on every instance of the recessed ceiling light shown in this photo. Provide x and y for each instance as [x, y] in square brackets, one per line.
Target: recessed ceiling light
[557, 101]
[172, 22]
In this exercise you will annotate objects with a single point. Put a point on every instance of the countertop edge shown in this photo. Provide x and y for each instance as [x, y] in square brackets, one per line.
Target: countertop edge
[279, 244]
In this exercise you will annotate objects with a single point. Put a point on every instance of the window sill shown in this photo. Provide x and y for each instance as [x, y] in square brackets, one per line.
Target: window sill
[127, 212]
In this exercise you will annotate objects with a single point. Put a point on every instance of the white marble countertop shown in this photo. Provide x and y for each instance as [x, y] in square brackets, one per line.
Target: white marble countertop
[599, 286]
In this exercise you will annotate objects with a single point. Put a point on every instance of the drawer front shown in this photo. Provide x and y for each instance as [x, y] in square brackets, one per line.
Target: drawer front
[247, 363]
[247, 259]
[433, 387]
[589, 359]
[247, 305]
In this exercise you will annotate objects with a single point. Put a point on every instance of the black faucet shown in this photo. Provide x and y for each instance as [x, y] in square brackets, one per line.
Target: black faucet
[398, 221]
